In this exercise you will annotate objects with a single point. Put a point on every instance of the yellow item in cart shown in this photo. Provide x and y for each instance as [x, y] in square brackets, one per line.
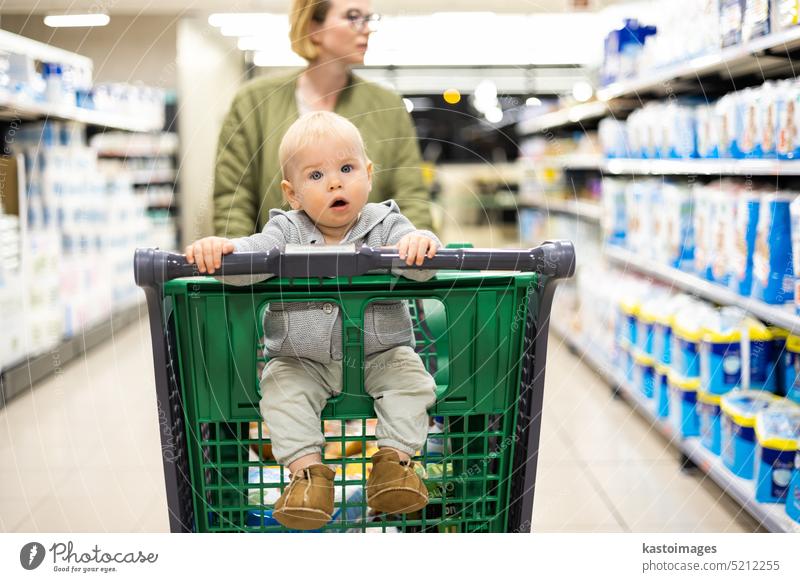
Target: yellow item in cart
[354, 433]
[263, 449]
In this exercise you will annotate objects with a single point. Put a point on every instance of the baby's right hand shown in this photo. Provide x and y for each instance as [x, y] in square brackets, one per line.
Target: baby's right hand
[207, 253]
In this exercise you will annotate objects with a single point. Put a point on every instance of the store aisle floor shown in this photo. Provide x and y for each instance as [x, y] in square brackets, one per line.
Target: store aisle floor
[81, 452]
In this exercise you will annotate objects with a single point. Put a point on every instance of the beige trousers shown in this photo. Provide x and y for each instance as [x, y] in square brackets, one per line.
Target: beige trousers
[295, 390]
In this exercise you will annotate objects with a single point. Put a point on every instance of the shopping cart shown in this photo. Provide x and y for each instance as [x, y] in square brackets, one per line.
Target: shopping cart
[482, 335]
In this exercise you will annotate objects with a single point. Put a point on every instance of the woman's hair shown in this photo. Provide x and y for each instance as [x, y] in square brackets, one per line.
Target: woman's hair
[317, 126]
[301, 15]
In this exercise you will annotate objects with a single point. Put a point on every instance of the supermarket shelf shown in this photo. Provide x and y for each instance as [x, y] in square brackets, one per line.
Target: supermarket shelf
[13, 107]
[691, 167]
[563, 117]
[140, 177]
[781, 316]
[764, 56]
[585, 115]
[771, 516]
[702, 167]
[588, 211]
[18, 378]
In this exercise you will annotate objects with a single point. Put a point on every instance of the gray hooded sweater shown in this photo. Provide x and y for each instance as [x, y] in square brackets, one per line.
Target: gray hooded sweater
[314, 329]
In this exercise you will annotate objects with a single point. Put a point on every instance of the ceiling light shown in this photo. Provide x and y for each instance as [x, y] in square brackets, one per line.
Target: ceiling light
[494, 115]
[452, 96]
[76, 20]
[582, 91]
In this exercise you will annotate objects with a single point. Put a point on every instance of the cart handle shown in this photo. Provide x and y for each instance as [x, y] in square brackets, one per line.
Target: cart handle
[555, 259]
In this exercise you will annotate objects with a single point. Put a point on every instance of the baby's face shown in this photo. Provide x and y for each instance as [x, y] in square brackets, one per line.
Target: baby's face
[330, 181]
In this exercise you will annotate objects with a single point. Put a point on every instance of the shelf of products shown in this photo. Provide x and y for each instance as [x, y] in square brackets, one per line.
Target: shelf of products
[69, 219]
[765, 55]
[38, 81]
[13, 107]
[572, 115]
[582, 209]
[771, 516]
[691, 167]
[781, 316]
[694, 167]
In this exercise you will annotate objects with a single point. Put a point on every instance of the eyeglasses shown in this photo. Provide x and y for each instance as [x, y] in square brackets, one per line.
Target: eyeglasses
[359, 21]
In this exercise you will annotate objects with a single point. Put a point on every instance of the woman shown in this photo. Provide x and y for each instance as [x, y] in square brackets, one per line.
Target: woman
[332, 35]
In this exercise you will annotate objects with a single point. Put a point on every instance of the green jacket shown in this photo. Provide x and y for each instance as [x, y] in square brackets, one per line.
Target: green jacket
[248, 176]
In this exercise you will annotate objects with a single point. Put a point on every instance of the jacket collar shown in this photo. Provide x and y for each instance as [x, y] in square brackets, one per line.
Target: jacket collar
[371, 215]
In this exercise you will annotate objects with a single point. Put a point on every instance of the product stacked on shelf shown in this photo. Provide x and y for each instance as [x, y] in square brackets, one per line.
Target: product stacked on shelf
[150, 162]
[728, 232]
[680, 30]
[81, 226]
[545, 182]
[705, 371]
[12, 339]
[755, 123]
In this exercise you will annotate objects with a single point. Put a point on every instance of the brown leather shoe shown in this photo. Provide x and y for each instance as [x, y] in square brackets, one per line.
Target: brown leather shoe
[307, 503]
[393, 485]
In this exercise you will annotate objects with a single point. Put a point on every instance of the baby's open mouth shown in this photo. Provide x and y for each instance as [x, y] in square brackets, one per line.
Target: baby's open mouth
[339, 203]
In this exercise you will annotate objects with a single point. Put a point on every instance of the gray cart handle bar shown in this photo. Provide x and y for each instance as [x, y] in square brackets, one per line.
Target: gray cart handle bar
[555, 259]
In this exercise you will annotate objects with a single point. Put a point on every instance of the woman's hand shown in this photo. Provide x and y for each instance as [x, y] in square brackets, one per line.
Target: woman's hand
[207, 253]
[414, 247]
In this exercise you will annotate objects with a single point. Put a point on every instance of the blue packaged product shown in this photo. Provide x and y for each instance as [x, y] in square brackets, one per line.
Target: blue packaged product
[773, 268]
[644, 374]
[629, 311]
[777, 433]
[662, 339]
[746, 224]
[793, 495]
[682, 405]
[645, 323]
[777, 380]
[721, 361]
[708, 413]
[739, 411]
[763, 358]
[685, 350]
[791, 368]
[661, 392]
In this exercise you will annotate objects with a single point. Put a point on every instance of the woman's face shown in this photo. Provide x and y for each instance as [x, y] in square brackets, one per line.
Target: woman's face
[344, 34]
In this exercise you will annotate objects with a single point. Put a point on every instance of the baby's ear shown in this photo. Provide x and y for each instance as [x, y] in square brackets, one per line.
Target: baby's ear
[290, 195]
[369, 173]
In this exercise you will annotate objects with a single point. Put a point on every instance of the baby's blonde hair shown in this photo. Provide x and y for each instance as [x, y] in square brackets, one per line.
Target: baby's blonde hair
[316, 126]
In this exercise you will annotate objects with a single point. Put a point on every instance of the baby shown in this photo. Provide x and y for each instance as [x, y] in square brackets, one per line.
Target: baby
[327, 179]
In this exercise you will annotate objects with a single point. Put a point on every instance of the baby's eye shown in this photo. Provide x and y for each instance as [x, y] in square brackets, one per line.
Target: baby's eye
[315, 175]
[347, 168]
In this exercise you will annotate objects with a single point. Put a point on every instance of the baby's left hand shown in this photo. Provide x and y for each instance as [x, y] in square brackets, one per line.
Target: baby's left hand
[415, 247]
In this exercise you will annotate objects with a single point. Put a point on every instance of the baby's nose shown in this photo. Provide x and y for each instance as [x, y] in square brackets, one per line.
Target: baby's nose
[334, 185]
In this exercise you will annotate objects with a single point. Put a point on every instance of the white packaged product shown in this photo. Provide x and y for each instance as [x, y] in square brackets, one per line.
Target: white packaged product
[787, 112]
[767, 97]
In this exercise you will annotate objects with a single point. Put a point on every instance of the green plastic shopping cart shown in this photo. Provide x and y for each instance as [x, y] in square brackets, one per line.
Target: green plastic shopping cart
[481, 329]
